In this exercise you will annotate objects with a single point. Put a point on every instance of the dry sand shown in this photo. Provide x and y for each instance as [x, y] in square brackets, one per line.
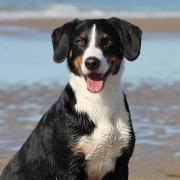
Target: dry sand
[147, 24]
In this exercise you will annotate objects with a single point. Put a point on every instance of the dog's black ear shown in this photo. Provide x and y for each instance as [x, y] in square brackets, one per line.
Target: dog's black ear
[130, 36]
[60, 40]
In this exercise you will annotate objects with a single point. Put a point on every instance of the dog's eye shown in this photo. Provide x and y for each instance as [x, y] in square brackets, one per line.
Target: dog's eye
[106, 42]
[80, 42]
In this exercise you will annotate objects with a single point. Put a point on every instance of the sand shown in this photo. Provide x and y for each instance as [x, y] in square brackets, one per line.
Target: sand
[155, 113]
[146, 24]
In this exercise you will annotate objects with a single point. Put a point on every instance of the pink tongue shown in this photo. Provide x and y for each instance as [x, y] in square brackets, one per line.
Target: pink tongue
[94, 86]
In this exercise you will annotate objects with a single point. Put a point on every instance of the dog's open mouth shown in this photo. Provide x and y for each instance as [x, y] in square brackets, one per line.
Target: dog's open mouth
[96, 81]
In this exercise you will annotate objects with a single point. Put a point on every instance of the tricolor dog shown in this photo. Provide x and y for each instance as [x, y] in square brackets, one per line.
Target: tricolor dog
[87, 134]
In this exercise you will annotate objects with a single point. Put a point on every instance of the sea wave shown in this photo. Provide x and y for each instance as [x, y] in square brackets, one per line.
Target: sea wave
[72, 11]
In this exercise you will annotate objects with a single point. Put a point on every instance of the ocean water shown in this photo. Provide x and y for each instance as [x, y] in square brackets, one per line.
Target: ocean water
[103, 8]
[28, 59]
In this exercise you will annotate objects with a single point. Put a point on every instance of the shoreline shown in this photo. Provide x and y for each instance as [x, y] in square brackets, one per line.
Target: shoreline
[146, 24]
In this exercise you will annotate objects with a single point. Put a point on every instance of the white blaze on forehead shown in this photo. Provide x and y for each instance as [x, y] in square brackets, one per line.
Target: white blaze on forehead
[93, 37]
[93, 51]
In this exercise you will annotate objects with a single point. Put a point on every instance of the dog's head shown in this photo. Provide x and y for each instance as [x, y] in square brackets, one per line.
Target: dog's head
[95, 48]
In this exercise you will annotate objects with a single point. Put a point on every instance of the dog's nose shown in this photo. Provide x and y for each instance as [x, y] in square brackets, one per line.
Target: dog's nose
[92, 63]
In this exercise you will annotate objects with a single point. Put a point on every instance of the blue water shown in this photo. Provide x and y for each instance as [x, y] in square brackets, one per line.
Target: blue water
[127, 5]
[10, 9]
[28, 59]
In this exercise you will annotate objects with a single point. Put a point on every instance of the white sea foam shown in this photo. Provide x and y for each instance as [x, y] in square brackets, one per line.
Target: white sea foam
[71, 11]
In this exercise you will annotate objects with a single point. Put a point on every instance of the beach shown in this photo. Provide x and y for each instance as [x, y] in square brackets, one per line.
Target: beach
[154, 105]
[146, 24]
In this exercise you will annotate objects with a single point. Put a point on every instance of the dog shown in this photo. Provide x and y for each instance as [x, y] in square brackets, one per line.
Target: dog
[87, 134]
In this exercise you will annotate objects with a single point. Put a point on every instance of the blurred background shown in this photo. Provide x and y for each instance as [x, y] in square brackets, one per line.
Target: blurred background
[30, 81]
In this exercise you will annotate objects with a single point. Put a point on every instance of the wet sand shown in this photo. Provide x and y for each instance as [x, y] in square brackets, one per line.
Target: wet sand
[155, 110]
[147, 24]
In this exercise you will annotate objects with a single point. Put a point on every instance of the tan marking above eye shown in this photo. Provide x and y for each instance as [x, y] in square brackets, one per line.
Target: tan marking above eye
[82, 35]
[106, 40]
[105, 35]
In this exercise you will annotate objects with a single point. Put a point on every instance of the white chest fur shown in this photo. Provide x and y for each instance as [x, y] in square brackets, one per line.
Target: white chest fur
[111, 134]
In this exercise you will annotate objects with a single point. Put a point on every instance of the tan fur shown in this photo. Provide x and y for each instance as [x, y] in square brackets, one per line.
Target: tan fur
[105, 35]
[82, 35]
[78, 151]
[94, 176]
[78, 61]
